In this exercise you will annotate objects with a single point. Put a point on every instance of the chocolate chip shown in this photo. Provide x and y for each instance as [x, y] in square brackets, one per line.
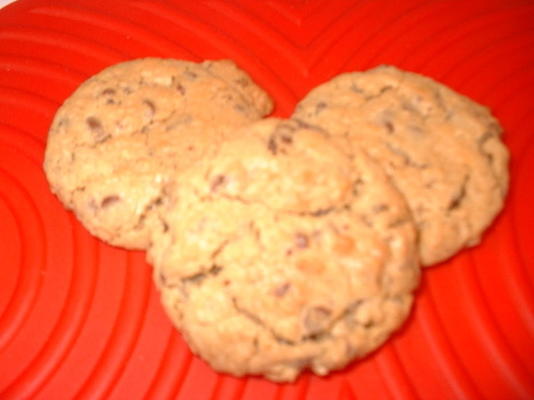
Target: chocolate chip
[93, 123]
[320, 107]
[301, 241]
[195, 278]
[356, 89]
[284, 341]
[286, 127]
[180, 89]
[322, 212]
[199, 277]
[219, 181]
[151, 108]
[305, 125]
[492, 132]
[282, 137]
[407, 160]
[108, 92]
[281, 290]
[63, 122]
[243, 82]
[389, 126]
[215, 269]
[286, 139]
[272, 146]
[190, 75]
[97, 129]
[162, 279]
[316, 319]
[457, 199]
[109, 200]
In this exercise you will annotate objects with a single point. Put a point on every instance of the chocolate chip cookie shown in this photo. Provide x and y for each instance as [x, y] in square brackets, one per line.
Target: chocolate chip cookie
[442, 150]
[285, 251]
[118, 137]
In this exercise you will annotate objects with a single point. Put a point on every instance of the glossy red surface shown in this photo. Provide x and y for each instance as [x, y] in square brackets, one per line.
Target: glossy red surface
[80, 319]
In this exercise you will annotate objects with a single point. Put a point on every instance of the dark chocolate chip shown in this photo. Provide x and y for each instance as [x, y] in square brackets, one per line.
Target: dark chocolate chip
[272, 146]
[356, 89]
[93, 123]
[286, 139]
[219, 181]
[109, 200]
[162, 279]
[97, 129]
[408, 161]
[457, 200]
[199, 277]
[321, 212]
[243, 82]
[151, 107]
[190, 75]
[320, 106]
[108, 92]
[63, 122]
[180, 89]
[389, 126]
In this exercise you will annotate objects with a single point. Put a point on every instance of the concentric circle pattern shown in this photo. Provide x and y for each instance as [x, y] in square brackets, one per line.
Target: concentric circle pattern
[82, 320]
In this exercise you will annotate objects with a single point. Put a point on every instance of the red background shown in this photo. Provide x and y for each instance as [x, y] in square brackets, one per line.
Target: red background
[80, 319]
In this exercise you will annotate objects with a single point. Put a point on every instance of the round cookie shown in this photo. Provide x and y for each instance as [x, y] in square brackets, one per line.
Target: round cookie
[285, 252]
[442, 150]
[116, 140]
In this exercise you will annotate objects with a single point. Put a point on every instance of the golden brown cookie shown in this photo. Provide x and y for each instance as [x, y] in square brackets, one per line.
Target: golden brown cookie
[285, 252]
[442, 150]
[116, 139]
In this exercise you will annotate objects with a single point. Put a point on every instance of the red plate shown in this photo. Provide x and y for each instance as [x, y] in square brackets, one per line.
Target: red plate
[80, 319]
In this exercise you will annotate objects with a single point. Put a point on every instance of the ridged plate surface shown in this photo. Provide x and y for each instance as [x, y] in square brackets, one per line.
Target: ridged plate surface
[81, 320]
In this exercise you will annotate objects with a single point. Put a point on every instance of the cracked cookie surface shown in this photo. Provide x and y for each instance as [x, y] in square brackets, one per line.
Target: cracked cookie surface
[442, 150]
[285, 252]
[115, 141]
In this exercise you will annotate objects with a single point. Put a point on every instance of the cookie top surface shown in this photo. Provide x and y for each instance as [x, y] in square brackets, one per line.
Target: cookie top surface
[284, 252]
[442, 150]
[115, 140]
